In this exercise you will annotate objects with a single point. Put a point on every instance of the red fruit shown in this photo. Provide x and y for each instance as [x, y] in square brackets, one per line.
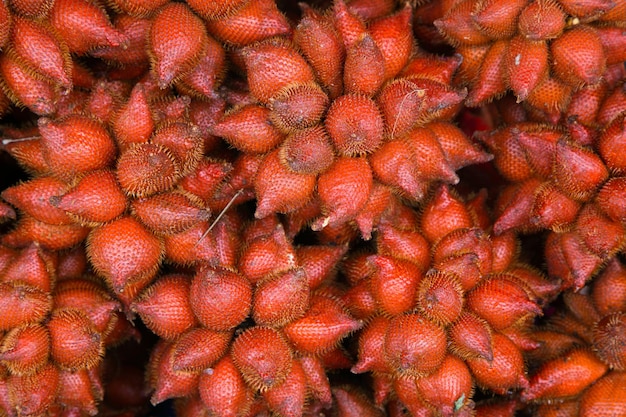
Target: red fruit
[371, 347]
[25, 349]
[613, 137]
[392, 35]
[95, 199]
[263, 357]
[48, 236]
[364, 69]
[248, 129]
[565, 376]
[184, 141]
[220, 299]
[83, 26]
[298, 106]
[216, 9]
[527, 63]
[471, 337]
[33, 197]
[542, 20]
[355, 125]
[176, 42]
[134, 122]
[307, 151]
[443, 214]
[458, 25]
[317, 381]
[91, 299]
[199, 348]
[394, 284]
[74, 145]
[343, 190]
[147, 169]
[319, 262]
[414, 346]
[137, 7]
[498, 19]
[223, 390]
[23, 88]
[490, 82]
[609, 340]
[322, 327]
[505, 371]
[321, 45]
[164, 306]
[578, 56]
[171, 212]
[167, 382]
[123, 251]
[272, 65]
[501, 301]
[280, 300]
[37, 46]
[255, 21]
[352, 403]
[22, 304]
[440, 297]
[267, 255]
[74, 341]
[33, 394]
[609, 288]
[450, 388]
[76, 390]
[289, 398]
[578, 171]
[351, 27]
[606, 395]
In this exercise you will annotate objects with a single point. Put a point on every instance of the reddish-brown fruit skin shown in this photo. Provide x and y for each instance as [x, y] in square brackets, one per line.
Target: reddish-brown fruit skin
[147, 169]
[255, 21]
[343, 190]
[74, 341]
[223, 391]
[443, 214]
[505, 371]
[279, 189]
[199, 348]
[166, 382]
[48, 236]
[248, 129]
[355, 125]
[123, 251]
[83, 26]
[90, 298]
[33, 197]
[414, 346]
[609, 339]
[164, 307]
[322, 327]
[371, 347]
[176, 41]
[471, 337]
[25, 349]
[75, 145]
[24, 89]
[282, 299]
[352, 403]
[37, 45]
[171, 212]
[76, 390]
[584, 63]
[272, 65]
[322, 47]
[451, 382]
[33, 394]
[134, 122]
[298, 106]
[289, 398]
[605, 396]
[220, 299]
[263, 357]
[565, 376]
[22, 304]
[394, 284]
[96, 198]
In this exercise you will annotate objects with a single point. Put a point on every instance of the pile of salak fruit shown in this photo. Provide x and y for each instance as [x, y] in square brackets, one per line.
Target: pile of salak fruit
[327, 208]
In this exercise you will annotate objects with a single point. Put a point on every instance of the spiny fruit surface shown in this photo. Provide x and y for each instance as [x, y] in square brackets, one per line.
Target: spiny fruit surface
[439, 293]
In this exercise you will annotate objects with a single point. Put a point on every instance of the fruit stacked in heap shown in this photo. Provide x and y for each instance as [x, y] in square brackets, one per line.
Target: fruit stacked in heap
[244, 184]
[581, 364]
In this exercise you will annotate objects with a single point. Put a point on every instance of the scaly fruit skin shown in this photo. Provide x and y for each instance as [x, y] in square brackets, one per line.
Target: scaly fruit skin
[567, 179]
[585, 368]
[357, 102]
[447, 309]
[542, 51]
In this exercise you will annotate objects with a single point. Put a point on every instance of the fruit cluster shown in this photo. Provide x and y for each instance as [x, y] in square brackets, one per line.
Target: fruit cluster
[338, 208]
